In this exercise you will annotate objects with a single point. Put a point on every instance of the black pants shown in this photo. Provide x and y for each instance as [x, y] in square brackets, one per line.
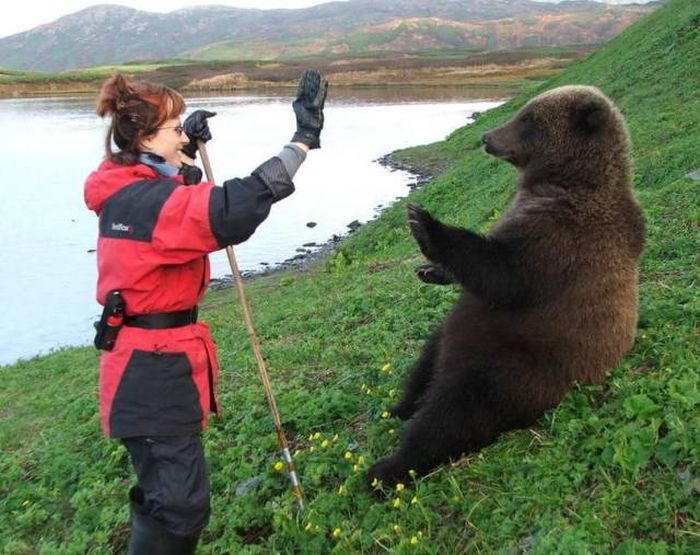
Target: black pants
[173, 481]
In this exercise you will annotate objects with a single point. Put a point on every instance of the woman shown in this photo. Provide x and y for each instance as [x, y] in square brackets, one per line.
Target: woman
[158, 378]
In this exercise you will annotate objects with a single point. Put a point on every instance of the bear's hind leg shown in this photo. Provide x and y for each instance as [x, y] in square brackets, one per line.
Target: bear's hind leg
[452, 420]
[418, 380]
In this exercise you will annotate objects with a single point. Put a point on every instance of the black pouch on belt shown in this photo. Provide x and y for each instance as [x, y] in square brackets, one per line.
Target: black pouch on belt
[111, 321]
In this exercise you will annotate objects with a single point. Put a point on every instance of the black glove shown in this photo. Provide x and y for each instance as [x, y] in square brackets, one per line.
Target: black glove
[192, 175]
[196, 128]
[308, 108]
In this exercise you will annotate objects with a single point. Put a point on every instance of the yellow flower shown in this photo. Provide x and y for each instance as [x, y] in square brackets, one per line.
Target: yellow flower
[414, 500]
[386, 414]
[386, 368]
[392, 392]
[325, 444]
[361, 459]
[375, 483]
[308, 526]
[396, 528]
[397, 503]
[348, 455]
[392, 432]
[412, 473]
[317, 435]
[279, 466]
[337, 533]
[400, 487]
[342, 490]
[335, 437]
[364, 387]
[369, 391]
[414, 540]
[356, 467]
[312, 449]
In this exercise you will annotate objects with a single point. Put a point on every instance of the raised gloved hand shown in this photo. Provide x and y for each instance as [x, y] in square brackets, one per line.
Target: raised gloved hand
[197, 129]
[308, 108]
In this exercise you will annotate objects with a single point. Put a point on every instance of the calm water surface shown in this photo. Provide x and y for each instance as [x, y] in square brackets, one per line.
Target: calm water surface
[47, 263]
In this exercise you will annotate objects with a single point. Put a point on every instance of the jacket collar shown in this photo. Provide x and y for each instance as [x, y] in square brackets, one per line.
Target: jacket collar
[159, 164]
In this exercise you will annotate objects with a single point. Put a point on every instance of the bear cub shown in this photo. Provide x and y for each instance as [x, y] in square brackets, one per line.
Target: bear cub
[549, 295]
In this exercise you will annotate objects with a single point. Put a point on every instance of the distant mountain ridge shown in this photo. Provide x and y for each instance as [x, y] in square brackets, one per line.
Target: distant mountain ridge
[111, 34]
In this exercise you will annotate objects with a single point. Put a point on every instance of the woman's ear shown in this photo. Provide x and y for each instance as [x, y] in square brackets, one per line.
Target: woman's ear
[146, 143]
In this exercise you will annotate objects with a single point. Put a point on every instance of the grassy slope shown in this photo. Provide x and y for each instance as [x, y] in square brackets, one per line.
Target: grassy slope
[613, 469]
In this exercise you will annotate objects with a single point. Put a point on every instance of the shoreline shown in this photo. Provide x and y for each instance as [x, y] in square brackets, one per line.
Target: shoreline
[491, 73]
[479, 90]
[304, 261]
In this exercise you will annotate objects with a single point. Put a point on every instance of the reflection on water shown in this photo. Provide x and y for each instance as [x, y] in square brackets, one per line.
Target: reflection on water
[47, 261]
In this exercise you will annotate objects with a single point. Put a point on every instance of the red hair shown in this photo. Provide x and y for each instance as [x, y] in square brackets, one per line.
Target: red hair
[137, 109]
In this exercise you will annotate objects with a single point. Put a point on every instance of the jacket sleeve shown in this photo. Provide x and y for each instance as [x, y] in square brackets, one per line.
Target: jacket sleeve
[200, 219]
[237, 208]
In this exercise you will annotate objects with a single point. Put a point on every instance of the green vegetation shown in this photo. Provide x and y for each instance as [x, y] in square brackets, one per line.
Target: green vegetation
[86, 75]
[614, 469]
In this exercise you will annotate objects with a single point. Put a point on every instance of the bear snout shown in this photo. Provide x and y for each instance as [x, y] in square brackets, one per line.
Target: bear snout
[489, 145]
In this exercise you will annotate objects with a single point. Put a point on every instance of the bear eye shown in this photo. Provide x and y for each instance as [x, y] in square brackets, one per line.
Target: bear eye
[528, 126]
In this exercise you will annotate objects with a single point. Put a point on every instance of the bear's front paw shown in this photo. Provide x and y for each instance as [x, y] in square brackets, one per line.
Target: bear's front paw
[433, 273]
[385, 474]
[424, 229]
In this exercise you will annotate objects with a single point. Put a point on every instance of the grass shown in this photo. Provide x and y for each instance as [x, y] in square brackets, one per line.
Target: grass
[614, 469]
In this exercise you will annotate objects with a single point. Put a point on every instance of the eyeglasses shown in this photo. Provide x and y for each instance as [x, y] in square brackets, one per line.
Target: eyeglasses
[178, 129]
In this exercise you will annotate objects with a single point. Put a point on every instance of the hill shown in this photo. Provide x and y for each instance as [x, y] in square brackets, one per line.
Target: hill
[110, 34]
[420, 34]
[614, 469]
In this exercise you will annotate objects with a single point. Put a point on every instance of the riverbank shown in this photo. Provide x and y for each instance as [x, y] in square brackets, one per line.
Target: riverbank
[494, 74]
[310, 255]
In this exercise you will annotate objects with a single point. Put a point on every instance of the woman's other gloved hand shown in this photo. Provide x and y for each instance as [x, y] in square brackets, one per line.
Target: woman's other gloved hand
[191, 175]
[197, 129]
[308, 108]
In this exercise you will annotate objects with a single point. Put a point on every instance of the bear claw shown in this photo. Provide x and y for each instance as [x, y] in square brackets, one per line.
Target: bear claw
[385, 473]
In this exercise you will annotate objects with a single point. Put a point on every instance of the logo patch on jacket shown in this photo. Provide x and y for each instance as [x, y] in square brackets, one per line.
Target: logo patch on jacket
[132, 212]
[116, 226]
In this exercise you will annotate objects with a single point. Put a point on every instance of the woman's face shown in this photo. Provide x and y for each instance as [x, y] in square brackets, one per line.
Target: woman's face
[167, 141]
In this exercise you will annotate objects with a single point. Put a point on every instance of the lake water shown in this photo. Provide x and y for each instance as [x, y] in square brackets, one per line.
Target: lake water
[47, 267]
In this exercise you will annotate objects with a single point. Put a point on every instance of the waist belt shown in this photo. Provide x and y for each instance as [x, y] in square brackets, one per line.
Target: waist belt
[163, 320]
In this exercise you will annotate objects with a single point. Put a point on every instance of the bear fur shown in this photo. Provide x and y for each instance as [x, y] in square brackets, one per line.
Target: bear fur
[549, 295]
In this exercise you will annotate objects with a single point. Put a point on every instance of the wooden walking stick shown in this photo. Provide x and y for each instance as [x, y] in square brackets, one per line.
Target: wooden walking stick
[281, 437]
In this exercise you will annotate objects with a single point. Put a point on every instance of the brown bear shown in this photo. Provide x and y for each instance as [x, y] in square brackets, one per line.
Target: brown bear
[549, 295]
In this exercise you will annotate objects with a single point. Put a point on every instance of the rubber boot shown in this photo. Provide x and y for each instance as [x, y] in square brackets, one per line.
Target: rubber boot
[149, 537]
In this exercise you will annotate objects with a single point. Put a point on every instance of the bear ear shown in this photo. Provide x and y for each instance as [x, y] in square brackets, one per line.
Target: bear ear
[589, 116]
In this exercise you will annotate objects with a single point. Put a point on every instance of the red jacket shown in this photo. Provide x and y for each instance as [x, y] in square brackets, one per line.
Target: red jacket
[154, 237]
